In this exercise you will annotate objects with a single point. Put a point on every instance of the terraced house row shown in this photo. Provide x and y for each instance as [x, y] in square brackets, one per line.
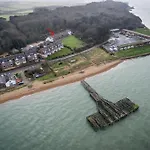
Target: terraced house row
[20, 59]
[30, 55]
[33, 54]
[50, 49]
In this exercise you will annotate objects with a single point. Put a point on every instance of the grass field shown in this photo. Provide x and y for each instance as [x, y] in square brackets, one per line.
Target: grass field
[64, 52]
[73, 42]
[5, 16]
[81, 61]
[47, 77]
[98, 56]
[22, 5]
[143, 31]
[12, 8]
[19, 13]
[133, 52]
[59, 65]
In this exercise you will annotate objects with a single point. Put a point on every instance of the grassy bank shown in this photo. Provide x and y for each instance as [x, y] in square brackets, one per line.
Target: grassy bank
[18, 13]
[143, 31]
[133, 52]
[96, 56]
[64, 52]
[20, 8]
[46, 77]
[73, 42]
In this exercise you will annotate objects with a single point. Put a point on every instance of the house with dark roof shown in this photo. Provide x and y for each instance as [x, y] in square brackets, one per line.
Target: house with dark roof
[50, 49]
[12, 61]
[45, 52]
[20, 59]
[31, 55]
[7, 62]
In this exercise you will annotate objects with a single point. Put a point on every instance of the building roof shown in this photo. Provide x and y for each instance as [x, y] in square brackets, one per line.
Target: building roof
[12, 57]
[32, 50]
[6, 58]
[49, 39]
[135, 43]
[136, 33]
[114, 30]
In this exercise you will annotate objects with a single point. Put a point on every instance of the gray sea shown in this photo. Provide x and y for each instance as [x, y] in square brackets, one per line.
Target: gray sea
[142, 9]
[56, 119]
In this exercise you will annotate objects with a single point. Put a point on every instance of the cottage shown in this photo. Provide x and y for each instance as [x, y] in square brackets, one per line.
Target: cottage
[11, 83]
[45, 52]
[31, 55]
[6, 63]
[49, 40]
[69, 32]
[50, 49]
[20, 59]
[12, 61]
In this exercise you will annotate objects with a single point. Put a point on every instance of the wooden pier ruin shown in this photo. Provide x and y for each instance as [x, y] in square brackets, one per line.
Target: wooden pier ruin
[108, 112]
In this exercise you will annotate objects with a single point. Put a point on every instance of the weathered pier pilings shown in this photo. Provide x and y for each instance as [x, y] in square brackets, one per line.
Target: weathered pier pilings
[108, 112]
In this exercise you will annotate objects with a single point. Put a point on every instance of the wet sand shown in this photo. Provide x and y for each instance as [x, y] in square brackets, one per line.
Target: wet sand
[38, 86]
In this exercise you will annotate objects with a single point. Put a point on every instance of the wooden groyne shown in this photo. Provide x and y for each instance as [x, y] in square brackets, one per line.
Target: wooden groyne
[108, 112]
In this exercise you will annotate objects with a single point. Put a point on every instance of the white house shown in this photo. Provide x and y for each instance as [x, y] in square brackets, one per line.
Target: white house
[49, 39]
[69, 32]
[10, 83]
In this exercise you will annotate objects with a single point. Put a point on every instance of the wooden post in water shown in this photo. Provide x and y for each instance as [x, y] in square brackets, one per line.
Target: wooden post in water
[108, 112]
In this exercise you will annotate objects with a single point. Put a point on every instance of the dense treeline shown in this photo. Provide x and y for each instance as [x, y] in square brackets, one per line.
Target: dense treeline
[91, 22]
[10, 36]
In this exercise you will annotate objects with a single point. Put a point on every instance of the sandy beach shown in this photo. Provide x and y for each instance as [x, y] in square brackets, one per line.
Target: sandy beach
[38, 86]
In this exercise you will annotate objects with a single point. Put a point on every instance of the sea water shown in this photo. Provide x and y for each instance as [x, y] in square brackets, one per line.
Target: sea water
[56, 119]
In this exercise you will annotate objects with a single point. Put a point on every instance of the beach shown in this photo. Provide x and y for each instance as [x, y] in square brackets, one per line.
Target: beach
[55, 119]
[38, 86]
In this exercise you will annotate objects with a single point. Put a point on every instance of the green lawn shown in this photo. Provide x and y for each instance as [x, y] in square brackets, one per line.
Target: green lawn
[134, 51]
[47, 77]
[143, 31]
[5, 16]
[73, 42]
[59, 65]
[19, 13]
[64, 52]
[98, 56]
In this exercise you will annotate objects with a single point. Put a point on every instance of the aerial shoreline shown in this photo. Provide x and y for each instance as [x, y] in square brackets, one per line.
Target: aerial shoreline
[38, 86]
[89, 71]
